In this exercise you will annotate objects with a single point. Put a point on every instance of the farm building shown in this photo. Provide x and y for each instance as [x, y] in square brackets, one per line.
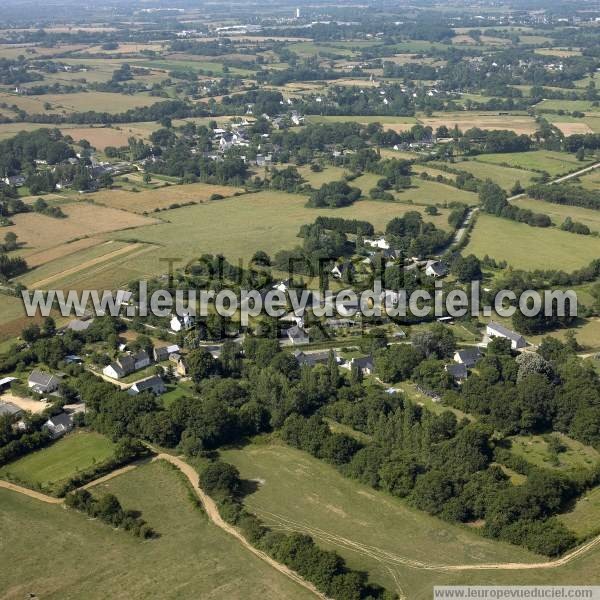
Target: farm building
[5, 383]
[8, 408]
[163, 353]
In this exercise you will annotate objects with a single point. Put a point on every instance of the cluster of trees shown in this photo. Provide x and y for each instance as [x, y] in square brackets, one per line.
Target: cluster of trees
[413, 236]
[12, 266]
[345, 225]
[324, 568]
[496, 140]
[563, 193]
[494, 201]
[334, 195]
[575, 227]
[109, 509]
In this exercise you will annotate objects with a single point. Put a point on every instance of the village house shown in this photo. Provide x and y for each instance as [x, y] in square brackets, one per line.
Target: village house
[16, 180]
[42, 383]
[164, 352]
[517, 341]
[297, 336]
[343, 269]
[179, 323]
[365, 365]
[458, 372]
[59, 424]
[468, 357]
[435, 268]
[127, 364]
[154, 385]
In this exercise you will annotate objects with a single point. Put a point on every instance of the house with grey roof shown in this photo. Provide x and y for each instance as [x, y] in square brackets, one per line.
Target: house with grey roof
[42, 382]
[59, 424]
[10, 409]
[458, 372]
[154, 385]
[364, 363]
[435, 268]
[310, 359]
[468, 357]
[297, 335]
[517, 341]
[164, 352]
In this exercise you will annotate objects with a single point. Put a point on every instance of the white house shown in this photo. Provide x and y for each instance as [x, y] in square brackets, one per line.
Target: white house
[185, 321]
[435, 268]
[42, 383]
[59, 424]
[468, 357]
[494, 329]
[153, 384]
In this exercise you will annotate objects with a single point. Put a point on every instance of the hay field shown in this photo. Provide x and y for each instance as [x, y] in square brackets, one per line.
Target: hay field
[555, 163]
[505, 177]
[484, 120]
[147, 200]
[559, 212]
[38, 232]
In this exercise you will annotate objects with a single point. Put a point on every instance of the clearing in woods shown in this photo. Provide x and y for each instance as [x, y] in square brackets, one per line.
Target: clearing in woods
[190, 558]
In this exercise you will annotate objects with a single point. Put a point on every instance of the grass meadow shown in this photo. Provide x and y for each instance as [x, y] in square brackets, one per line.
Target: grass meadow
[46, 468]
[49, 548]
[555, 163]
[526, 247]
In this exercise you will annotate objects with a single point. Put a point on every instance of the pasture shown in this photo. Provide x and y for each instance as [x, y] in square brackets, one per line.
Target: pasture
[505, 177]
[372, 530]
[237, 227]
[559, 212]
[46, 468]
[554, 163]
[525, 247]
[583, 518]
[191, 558]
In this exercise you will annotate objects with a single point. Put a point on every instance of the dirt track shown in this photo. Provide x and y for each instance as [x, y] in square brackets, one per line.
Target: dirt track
[213, 514]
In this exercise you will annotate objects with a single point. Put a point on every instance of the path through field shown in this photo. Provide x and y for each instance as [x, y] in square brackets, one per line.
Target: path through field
[390, 559]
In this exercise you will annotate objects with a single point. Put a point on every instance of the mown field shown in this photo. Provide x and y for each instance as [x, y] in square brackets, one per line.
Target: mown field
[379, 533]
[49, 548]
[483, 120]
[526, 247]
[555, 163]
[46, 468]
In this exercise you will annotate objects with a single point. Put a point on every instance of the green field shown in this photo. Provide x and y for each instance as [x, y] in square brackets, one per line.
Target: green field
[555, 163]
[60, 554]
[298, 492]
[362, 119]
[505, 177]
[526, 247]
[584, 518]
[559, 212]
[47, 467]
[568, 105]
[534, 449]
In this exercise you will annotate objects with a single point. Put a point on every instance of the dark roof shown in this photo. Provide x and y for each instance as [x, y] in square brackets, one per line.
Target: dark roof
[364, 362]
[297, 333]
[469, 355]
[512, 335]
[42, 379]
[61, 420]
[311, 358]
[127, 363]
[458, 371]
[149, 383]
[8, 408]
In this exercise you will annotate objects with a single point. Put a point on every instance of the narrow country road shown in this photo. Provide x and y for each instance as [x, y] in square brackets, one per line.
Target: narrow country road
[31, 493]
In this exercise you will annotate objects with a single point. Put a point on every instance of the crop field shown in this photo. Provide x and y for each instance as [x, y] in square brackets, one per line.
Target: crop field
[39, 232]
[559, 212]
[386, 121]
[431, 192]
[99, 137]
[377, 532]
[148, 200]
[191, 558]
[46, 468]
[571, 127]
[483, 120]
[505, 177]
[560, 52]
[555, 163]
[568, 106]
[534, 449]
[526, 247]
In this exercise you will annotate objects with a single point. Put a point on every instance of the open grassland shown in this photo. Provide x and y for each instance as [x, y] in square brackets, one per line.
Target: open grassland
[148, 200]
[560, 52]
[534, 449]
[395, 123]
[505, 177]
[99, 137]
[591, 180]
[12, 317]
[49, 548]
[555, 163]
[584, 517]
[483, 120]
[431, 192]
[587, 331]
[559, 212]
[238, 227]
[526, 247]
[46, 468]
[568, 106]
[327, 175]
[298, 492]
[39, 232]
[571, 127]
